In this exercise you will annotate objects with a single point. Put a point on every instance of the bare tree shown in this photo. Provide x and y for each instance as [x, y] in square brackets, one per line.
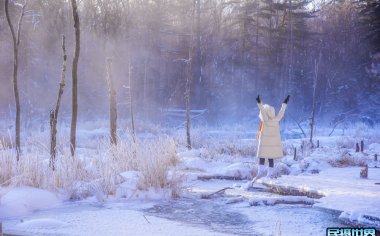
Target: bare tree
[189, 78]
[131, 102]
[54, 113]
[75, 78]
[16, 43]
[312, 118]
[112, 99]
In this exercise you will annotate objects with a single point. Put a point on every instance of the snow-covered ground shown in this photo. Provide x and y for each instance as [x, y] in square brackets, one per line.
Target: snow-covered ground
[184, 216]
[99, 219]
[357, 199]
[218, 160]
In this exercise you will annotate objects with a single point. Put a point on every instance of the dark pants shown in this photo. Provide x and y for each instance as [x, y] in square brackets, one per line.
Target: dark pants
[262, 161]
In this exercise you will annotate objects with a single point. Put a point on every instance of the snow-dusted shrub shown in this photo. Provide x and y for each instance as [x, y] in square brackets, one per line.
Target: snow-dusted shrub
[155, 159]
[230, 147]
[347, 159]
[295, 169]
[152, 158]
[198, 137]
[362, 131]
[346, 142]
[7, 161]
[218, 143]
[92, 172]
[281, 169]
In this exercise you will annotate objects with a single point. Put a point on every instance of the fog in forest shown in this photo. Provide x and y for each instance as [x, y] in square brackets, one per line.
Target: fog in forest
[238, 49]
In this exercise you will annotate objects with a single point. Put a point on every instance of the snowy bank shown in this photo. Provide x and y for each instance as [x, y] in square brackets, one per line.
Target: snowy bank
[111, 220]
[23, 200]
[343, 190]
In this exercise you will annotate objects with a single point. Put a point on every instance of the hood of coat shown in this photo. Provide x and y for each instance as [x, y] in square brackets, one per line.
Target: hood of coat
[269, 110]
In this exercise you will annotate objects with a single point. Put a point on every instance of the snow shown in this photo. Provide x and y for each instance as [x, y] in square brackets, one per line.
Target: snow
[28, 210]
[374, 147]
[23, 200]
[43, 223]
[129, 189]
[109, 220]
[191, 160]
[343, 189]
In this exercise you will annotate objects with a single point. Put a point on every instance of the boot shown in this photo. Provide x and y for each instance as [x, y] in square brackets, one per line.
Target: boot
[260, 172]
[270, 172]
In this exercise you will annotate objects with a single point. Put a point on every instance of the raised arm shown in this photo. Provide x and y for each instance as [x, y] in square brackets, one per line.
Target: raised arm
[283, 108]
[281, 113]
[263, 116]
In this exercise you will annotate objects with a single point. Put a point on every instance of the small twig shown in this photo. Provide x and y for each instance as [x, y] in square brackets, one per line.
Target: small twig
[147, 219]
[299, 126]
[215, 193]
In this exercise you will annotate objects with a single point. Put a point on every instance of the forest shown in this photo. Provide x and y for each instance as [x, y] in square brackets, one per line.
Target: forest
[324, 53]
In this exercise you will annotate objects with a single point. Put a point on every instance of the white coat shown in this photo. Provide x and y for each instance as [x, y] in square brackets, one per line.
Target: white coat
[270, 140]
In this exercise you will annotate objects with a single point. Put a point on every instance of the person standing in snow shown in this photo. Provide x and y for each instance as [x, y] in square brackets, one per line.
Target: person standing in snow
[269, 145]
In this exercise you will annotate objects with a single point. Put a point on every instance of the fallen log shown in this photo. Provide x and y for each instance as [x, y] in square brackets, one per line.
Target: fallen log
[291, 200]
[292, 191]
[209, 177]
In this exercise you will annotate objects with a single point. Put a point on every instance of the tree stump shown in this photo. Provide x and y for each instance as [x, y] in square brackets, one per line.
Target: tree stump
[364, 172]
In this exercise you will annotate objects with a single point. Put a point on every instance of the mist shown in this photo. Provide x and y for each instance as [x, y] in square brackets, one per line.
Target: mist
[239, 50]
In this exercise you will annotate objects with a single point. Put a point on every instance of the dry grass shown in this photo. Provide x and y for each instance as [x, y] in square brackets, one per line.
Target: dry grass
[219, 144]
[347, 159]
[5, 140]
[93, 172]
[346, 142]
[229, 147]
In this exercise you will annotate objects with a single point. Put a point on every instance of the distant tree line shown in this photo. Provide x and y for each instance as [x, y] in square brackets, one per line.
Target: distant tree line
[240, 48]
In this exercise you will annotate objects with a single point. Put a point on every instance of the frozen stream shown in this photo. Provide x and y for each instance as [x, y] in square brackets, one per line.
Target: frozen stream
[242, 219]
[185, 216]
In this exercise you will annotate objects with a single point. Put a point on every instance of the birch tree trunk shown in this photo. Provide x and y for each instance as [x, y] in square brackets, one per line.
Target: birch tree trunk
[16, 43]
[54, 113]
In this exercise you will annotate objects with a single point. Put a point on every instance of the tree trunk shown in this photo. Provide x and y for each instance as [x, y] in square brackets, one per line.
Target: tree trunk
[290, 46]
[16, 43]
[113, 106]
[312, 118]
[196, 67]
[74, 116]
[54, 113]
[189, 78]
[131, 101]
